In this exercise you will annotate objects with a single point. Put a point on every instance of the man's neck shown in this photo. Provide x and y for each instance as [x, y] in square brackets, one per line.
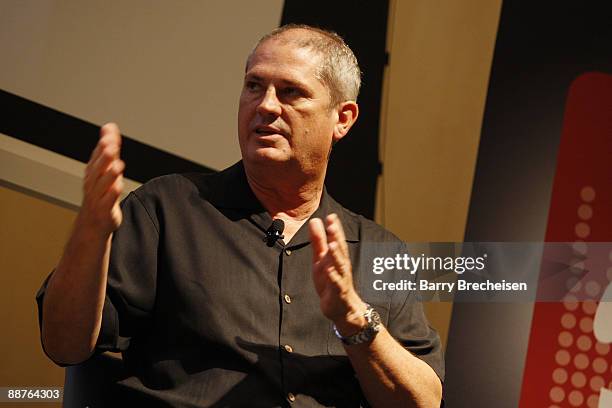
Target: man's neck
[292, 199]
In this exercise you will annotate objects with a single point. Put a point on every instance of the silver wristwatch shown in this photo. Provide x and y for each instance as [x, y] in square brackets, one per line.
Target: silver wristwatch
[367, 334]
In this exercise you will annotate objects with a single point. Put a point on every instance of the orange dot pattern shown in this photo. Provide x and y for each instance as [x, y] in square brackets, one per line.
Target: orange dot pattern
[583, 365]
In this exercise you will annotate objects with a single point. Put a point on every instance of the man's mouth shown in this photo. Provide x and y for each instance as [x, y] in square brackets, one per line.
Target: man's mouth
[267, 131]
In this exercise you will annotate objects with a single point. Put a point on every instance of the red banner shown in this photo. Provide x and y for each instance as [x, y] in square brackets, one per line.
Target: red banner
[569, 364]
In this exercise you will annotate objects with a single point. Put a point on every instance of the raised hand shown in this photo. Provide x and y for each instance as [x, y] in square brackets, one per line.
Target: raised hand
[103, 183]
[332, 275]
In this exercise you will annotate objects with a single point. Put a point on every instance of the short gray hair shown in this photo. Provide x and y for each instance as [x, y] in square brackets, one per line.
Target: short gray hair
[339, 70]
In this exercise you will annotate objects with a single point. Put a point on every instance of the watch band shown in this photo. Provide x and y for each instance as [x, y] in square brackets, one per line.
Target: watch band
[367, 334]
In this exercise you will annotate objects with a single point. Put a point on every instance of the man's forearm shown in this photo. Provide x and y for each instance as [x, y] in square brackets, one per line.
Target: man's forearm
[73, 302]
[390, 376]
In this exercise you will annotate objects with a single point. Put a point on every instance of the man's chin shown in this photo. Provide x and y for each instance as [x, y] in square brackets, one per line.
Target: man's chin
[268, 155]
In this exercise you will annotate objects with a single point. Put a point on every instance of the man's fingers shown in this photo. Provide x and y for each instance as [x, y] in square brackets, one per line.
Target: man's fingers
[112, 194]
[334, 277]
[103, 183]
[335, 233]
[109, 135]
[108, 145]
[102, 163]
[111, 130]
[107, 179]
[99, 166]
[338, 258]
[107, 150]
[318, 239]
[326, 269]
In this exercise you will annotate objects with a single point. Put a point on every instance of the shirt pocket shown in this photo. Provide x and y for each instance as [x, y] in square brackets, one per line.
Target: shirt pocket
[335, 348]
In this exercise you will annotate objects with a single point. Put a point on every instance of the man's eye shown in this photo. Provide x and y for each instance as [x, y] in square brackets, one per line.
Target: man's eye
[251, 85]
[291, 91]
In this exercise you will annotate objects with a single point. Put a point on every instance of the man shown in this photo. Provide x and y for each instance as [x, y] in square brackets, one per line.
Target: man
[204, 311]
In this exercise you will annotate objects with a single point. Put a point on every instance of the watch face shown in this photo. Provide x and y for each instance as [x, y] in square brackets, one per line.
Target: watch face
[373, 326]
[375, 318]
[375, 321]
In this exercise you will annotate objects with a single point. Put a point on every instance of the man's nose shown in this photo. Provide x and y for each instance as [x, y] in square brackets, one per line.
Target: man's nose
[269, 104]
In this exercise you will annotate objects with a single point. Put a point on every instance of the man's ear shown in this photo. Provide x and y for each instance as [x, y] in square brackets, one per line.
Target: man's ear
[347, 115]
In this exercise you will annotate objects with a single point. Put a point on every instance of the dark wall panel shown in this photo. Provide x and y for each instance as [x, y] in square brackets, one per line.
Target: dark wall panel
[354, 165]
[64, 134]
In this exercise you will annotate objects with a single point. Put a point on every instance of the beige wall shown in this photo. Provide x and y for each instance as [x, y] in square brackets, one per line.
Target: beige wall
[32, 237]
[435, 89]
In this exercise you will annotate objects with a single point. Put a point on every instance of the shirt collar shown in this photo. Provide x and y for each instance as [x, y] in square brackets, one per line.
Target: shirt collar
[230, 189]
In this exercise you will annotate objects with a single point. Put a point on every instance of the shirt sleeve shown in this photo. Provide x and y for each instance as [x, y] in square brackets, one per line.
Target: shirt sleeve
[132, 276]
[39, 302]
[408, 325]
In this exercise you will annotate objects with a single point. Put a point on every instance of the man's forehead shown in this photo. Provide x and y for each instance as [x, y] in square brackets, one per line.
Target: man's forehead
[281, 53]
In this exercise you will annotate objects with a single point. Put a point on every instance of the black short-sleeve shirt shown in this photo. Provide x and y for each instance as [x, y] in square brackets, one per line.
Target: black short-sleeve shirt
[206, 314]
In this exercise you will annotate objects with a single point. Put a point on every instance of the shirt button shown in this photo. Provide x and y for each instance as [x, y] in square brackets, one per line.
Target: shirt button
[288, 348]
[287, 298]
[291, 397]
[287, 252]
